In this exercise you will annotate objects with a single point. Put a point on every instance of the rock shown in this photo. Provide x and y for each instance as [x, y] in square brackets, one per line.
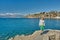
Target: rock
[11, 39]
[38, 35]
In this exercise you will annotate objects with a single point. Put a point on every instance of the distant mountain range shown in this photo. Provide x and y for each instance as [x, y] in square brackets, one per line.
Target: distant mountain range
[11, 15]
[50, 14]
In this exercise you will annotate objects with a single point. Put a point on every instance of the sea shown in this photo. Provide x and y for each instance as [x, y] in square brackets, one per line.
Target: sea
[10, 27]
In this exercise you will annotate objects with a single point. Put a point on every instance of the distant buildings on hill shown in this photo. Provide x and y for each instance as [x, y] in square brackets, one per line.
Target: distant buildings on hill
[51, 14]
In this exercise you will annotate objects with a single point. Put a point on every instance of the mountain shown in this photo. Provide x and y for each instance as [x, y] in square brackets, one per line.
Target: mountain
[11, 15]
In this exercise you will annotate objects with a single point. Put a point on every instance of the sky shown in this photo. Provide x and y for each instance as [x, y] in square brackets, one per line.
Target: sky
[28, 6]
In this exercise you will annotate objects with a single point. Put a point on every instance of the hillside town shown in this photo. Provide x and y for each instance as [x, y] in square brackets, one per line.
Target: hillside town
[51, 14]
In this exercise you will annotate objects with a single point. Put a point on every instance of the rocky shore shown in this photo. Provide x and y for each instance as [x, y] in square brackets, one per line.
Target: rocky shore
[38, 35]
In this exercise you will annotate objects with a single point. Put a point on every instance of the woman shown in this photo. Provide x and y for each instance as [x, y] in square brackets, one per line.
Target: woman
[42, 24]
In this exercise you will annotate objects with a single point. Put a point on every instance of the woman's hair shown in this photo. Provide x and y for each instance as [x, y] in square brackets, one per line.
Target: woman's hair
[42, 18]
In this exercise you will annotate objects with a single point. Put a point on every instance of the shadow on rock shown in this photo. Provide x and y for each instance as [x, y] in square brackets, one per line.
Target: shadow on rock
[45, 32]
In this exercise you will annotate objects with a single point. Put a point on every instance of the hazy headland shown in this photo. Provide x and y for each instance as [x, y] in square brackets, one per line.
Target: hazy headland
[51, 14]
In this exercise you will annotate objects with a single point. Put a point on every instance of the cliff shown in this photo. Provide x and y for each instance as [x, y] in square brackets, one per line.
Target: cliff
[46, 35]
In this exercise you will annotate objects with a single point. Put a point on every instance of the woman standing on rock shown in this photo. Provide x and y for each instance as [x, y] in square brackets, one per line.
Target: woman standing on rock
[42, 23]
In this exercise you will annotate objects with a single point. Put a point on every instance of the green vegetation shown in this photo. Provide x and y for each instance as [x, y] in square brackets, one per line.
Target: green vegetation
[50, 14]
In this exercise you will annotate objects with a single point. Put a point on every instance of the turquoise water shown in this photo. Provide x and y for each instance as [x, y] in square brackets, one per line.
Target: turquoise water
[9, 27]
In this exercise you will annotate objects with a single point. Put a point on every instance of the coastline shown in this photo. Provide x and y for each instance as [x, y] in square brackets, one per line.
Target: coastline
[37, 35]
[48, 18]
